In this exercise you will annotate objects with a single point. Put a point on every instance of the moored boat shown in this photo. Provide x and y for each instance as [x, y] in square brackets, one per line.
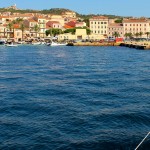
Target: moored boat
[58, 44]
[12, 45]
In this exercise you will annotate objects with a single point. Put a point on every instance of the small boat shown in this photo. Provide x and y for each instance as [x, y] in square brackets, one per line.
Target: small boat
[2, 42]
[12, 45]
[36, 43]
[58, 44]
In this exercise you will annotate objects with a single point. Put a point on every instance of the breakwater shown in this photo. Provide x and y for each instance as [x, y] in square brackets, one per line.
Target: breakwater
[144, 45]
[94, 44]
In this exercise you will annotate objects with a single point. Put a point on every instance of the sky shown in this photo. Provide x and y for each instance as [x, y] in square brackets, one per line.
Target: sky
[136, 8]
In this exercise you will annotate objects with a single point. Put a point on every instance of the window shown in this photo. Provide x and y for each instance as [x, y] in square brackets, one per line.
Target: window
[101, 22]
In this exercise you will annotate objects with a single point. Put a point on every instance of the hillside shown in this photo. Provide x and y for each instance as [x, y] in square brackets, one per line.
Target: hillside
[57, 11]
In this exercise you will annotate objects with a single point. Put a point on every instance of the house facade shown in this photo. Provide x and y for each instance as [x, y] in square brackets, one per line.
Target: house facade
[99, 25]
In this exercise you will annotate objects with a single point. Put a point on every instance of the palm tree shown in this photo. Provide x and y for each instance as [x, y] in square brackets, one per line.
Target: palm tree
[36, 28]
[137, 35]
[130, 35]
[140, 34]
[10, 27]
[22, 27]
[126, 35]
[147, 33]
[116, 34]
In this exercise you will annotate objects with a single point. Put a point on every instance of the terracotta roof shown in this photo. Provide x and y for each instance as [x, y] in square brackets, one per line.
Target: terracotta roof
[99, 17]
[67, 27]
[71, 24]
[134, 21]
[16, 26]
[31, 20]
[4, 17]
[115, 25]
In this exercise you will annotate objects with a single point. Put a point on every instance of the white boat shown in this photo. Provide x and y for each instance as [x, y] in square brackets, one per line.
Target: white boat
[36, 43]
[58, 44]
[12, 45]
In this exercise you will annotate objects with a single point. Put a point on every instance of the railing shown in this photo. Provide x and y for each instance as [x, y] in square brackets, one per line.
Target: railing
[142, 141]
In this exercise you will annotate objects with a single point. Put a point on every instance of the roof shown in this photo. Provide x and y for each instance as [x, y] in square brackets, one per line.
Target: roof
[99, 17]
[16, 26]
[67, 26]
[135, 21]
[49, 23]
[115, 25]
[31, 20]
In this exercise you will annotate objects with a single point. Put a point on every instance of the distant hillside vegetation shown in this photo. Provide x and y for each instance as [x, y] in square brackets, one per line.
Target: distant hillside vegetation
[57, 11]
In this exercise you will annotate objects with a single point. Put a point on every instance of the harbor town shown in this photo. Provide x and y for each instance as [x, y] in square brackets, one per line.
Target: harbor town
[98, 30]
[74, 75]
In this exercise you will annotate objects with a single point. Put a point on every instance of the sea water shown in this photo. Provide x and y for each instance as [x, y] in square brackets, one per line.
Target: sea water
[74, 98]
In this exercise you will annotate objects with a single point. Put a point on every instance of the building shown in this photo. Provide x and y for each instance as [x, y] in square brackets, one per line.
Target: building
[80, 34]
[69, 14]
[53, 24]
[42, 25]
[115, 27]
[136, 26]
[99, 25]
[58, 18]
[30, 24]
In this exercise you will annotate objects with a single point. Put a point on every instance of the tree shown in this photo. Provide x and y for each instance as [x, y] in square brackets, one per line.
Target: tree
[147, 33]
[10, 27]
[53, 32]
[86, 20]
[72, 31]
[128, 35]
[137, 35]
[140, 34]
[22, 27]
[36, 28]
[119, 20]
[88, 31]
[116, 34]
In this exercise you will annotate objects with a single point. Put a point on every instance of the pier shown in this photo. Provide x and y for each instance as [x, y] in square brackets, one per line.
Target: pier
[143, 45]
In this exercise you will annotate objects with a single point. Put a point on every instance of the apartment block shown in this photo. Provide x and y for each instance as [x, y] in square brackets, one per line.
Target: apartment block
[115, 27]
[136, 26]
[99, 25]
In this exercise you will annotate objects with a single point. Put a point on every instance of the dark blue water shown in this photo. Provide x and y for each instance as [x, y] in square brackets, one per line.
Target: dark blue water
[74, 98]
